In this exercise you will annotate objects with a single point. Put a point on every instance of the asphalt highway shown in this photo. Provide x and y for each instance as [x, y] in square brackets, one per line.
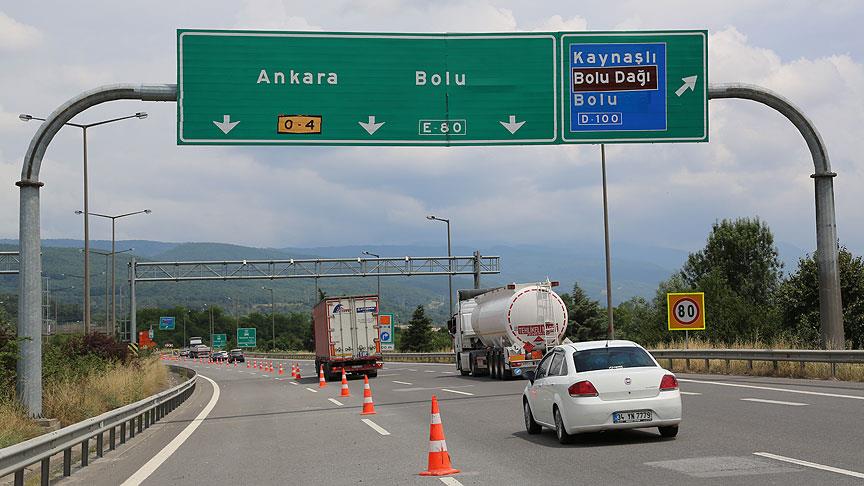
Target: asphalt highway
[264, 428]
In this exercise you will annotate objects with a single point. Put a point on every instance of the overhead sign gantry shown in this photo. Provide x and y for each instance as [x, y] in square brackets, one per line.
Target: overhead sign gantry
[309, 88]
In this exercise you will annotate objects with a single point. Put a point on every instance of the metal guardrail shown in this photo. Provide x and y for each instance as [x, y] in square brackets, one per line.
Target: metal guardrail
[130, 419]
[800, 356]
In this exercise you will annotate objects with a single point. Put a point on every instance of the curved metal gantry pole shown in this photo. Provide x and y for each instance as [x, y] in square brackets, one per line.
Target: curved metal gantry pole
[827, 252]
[29, 371]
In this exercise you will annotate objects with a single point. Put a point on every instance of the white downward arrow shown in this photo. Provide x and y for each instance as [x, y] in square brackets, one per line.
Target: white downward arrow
[226, 125]
[512, 126]
[370, 126]
[689, 83]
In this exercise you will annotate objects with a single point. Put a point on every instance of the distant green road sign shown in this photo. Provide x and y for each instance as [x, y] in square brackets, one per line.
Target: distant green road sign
[246, 337]
[166, 323]
[218, 341]
[310, 88]
[634, 87]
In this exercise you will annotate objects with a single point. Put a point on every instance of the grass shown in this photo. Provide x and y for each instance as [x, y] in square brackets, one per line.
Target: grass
[72, 399]
[785, 369]
[15, 427]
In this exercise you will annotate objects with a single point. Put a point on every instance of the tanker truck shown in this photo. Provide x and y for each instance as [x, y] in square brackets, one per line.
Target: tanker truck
[504, 332]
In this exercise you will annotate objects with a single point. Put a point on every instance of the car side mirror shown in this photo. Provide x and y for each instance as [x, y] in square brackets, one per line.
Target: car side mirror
[530, 375]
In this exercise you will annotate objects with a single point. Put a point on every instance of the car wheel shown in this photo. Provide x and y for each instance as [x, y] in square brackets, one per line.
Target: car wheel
[669, 432]
[560, 431]
[372, 374]
[531, 426]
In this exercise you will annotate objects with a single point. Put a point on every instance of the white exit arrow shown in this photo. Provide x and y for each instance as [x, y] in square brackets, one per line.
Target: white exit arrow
[370, 126]
[689, 83]
[512, 126]
[226, 125]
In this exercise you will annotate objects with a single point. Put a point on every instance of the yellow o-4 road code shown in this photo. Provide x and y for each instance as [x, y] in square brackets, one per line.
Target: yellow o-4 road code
[298, 124]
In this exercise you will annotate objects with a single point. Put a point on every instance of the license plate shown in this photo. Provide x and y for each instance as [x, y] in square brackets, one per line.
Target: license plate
[635, 416]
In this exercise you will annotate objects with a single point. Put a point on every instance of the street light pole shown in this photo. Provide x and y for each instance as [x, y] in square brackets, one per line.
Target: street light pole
[112, 330]
[140, 115]
[272, 315]
[379, 275]
[449, 261]
[113, 260]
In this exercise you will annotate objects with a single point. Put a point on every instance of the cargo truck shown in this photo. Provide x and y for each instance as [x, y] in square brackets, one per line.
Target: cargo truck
[505, 331]
[197, 349]
[345, 332]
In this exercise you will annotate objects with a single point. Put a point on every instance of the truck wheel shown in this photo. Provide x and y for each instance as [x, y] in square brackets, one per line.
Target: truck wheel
[492, 359]
[474, 371]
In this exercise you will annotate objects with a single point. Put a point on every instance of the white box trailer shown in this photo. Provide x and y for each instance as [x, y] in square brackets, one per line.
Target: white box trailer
[346, 334]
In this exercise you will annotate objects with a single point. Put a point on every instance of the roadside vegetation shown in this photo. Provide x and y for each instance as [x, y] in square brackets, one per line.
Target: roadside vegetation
[749, 298]
[83, 376]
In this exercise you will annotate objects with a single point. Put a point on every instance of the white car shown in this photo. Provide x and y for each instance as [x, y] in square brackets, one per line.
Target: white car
[600, 385]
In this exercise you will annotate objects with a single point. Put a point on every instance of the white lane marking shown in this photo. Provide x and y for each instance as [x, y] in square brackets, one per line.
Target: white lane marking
[337, 402]
[449, 373]
[312, 390]
[293, 382]
[375, 427]
[150, 466]
[802, 392]
[430, 371]
[389, 374]
[402, 382]
[774, 402]
[690, 393]
[450, 481]
[811, 464]
[411, 370]
[457, 391]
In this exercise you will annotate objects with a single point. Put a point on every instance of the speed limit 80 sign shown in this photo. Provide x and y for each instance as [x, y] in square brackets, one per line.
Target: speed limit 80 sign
[686, 311]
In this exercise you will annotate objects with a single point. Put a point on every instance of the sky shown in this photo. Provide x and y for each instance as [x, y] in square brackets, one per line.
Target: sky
[668, 195]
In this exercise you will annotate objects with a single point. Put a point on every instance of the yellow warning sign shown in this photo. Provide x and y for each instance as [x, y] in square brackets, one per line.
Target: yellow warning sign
[686, 311]
[298, 124]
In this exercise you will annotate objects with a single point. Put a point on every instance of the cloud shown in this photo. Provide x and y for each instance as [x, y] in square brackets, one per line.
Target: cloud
[15, 36]
[556, 23]
[270, 15]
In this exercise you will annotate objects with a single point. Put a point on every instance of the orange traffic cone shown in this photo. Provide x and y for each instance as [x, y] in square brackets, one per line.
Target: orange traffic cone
[271, 367]
[293, 370]
[247, 364]
[298, 373]
[439, 458]
[321, 381]
[281, 371]
[345, 392]
[368, 406]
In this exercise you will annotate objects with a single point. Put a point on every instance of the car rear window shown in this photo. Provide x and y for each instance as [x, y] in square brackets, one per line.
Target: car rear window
[610, 358]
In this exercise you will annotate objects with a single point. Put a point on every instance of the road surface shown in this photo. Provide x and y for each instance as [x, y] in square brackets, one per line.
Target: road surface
[269, 429]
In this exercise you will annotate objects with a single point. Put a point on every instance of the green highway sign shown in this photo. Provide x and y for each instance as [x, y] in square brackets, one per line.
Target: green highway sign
[310, 88]
[218, 340]
[320, 88]
[246, 337]
[634, 87]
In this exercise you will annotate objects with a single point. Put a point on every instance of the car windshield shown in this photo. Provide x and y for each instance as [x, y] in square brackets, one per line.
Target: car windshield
[611, 358]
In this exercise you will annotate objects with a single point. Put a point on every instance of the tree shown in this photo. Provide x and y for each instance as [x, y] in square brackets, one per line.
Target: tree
[741, 253]
[799, 301]
[586, 319]
[636, 320]
[418, 336]
[739, 270]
